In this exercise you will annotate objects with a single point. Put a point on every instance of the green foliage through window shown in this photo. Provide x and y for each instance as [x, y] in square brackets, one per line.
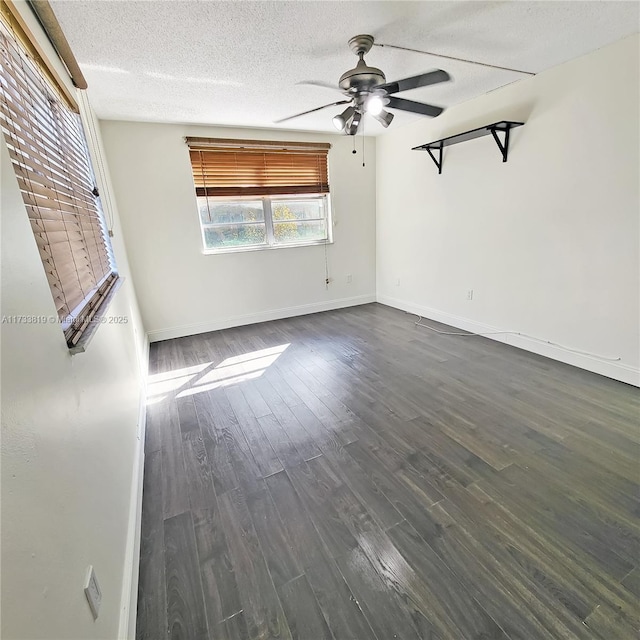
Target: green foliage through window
[263, 222]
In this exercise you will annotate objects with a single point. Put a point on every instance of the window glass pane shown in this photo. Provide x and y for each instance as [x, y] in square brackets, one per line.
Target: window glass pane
[300, 209]
[233, 235]
[216, 211]
[286, 232]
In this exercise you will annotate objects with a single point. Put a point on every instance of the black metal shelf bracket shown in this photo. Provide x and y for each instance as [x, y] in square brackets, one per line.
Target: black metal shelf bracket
[437, 160]
[504, 147]
[502, 127]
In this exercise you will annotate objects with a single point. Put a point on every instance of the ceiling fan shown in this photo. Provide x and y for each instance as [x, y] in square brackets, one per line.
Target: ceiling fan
[368, 91]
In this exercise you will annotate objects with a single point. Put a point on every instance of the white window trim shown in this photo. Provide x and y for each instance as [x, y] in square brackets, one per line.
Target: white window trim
[270, 244]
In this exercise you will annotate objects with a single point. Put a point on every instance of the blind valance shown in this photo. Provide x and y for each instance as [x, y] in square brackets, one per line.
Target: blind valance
[224, 167]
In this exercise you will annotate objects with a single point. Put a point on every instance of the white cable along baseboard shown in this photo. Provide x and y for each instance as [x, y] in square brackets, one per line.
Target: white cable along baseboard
[616, 370]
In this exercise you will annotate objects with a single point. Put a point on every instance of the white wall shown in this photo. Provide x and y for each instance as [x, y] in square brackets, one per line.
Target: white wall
[181, 290]
[69, 445]
[549, 241]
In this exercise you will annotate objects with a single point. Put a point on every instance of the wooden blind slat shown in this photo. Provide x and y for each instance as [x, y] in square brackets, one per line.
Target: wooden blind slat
[33, 144]
[51, 162]
[36, 172]
[228, 170]
[41, 192]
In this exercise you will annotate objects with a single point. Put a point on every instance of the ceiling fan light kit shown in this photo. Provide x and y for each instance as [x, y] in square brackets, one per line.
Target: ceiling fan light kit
[367, 91]
[375, 105]
[340, 121]
[384, 118]
[352, 127]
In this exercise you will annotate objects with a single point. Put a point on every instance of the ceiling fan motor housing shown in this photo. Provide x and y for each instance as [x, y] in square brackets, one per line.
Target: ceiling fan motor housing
[362, 77]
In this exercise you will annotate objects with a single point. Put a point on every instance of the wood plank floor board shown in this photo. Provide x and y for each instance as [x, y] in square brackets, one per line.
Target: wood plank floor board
[349, 475]
[213, 426]
[590, 451]
[153, 427]
[367, 492]
[607, 542]
[609, 493]
[452, 458]
[411, 507]
[389, 615]
[197, 470]
[626, 442]
[280, 441]
[187, 416]
[219, 584]
[263, 453]
[301, 439]
[317, 405]
[306, 543]
[274, 540]
[260, 603]
[337, 602]
[631, 582]
[464, 616]
[175, 487]
[383, 555]
[557, 565]
[303, 612]
[186, 616]
[505, 593]
[235, 628]
[506, 543]
[152, 610]
[326, 437]
[257, 403]
[322, 495]
[290, 397]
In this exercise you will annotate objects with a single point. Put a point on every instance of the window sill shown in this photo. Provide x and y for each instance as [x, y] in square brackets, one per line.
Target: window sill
[213, 252]
[99, 318]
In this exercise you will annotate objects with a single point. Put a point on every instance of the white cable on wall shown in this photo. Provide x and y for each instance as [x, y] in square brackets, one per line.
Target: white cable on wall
[469, 334]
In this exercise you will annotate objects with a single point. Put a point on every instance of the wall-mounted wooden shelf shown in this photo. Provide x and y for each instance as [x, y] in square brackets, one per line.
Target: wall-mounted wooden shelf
[504, 126]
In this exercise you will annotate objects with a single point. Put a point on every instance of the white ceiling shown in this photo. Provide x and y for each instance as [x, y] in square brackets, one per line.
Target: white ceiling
[238, 62]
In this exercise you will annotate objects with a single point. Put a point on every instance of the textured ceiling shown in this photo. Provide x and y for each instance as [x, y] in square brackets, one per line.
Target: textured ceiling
[237, 63]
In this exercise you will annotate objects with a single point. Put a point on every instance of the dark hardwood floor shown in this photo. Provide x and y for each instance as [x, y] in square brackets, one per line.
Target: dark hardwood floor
[349, 476]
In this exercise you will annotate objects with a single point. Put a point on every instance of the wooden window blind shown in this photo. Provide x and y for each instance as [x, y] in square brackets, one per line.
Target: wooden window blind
[48, 150]
[258, 168]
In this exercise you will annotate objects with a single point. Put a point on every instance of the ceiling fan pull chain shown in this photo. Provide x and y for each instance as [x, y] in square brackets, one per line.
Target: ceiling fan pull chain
[362, 142]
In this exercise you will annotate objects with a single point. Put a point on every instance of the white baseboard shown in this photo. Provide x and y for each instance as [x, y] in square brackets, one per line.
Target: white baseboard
[129, 599]
[253, 318]
[616, 370]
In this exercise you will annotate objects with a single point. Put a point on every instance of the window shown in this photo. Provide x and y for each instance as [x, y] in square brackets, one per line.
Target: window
[48, 150]
[255, 194]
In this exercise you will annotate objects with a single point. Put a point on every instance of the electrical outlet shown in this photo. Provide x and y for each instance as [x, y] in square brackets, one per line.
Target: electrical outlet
[92, 592]
[470, 294]
[349, 278]
[397, 282]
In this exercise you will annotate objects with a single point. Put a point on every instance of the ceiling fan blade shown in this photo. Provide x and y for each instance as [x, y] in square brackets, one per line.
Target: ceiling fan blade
[304, 113]
[414, 107]
[317, 83]
[423, 80]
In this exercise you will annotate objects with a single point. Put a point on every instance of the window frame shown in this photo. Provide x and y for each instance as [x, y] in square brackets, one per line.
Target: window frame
[270, 242]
